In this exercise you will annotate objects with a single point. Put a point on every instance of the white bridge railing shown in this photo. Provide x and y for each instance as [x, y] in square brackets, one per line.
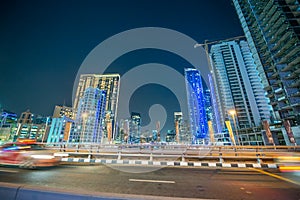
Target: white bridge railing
[174, 152]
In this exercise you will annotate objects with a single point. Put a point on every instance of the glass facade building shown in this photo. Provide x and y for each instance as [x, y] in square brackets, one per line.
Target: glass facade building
[238, 83]
[109, 83]
[272, 30]
[90, 117]
[196, 105]
[134, 128]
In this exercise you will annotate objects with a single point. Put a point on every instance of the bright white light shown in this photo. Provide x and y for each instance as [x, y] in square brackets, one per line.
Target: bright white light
[42, 156]
[61, 154]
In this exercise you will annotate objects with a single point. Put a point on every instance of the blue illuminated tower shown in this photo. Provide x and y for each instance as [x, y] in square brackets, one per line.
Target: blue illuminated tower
[196, 105]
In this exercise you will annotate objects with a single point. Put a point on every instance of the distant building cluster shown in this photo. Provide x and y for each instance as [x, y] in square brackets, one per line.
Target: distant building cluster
[252, 97]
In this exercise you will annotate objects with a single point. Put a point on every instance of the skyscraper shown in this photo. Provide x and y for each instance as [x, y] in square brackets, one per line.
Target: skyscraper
[124, 129]
[239, 87]
[109, 83]
[135, 128]
[272, 30]
[178, 121]
[215, 113]
[196, 105]
[90, 117]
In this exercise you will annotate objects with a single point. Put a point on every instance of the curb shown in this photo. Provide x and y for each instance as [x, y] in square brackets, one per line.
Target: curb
[169, 163]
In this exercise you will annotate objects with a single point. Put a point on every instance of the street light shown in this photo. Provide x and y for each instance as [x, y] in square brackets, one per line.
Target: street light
[233, 114]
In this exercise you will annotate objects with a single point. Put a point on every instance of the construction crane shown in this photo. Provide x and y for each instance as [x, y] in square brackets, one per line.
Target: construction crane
[207, 42]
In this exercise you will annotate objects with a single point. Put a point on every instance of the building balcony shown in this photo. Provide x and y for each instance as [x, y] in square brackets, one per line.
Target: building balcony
[278, 91]
[293, 74]
[282, 45]
[292, 64]
[274, 104]
[275, 82]
[271, 11]
[278, 26]
[272, 32]
[295, 94]
[280, 99]
[290, 91]
[288, 51]
[285, 107]
[266, 8]
[268, 88]
[291, 53]
[289, 116]
[274, 75]
[295, 101]
[295, 83]
[270, 68]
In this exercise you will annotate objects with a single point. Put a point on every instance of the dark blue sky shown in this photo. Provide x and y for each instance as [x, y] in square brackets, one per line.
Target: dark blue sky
[44, 42]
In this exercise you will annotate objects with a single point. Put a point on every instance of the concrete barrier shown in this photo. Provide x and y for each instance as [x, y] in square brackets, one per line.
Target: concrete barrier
[169, 163]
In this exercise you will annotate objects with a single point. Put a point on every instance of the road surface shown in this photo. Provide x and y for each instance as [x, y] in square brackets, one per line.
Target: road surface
[204, 183]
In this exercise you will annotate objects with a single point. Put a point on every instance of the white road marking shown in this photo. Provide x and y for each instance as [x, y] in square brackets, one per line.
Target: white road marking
[150, 181]
[9, 171]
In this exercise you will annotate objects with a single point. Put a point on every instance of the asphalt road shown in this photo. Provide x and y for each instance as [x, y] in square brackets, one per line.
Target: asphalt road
[204, 183]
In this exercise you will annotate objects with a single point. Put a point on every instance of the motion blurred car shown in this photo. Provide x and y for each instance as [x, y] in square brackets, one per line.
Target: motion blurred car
[27, 154]
[289, 162]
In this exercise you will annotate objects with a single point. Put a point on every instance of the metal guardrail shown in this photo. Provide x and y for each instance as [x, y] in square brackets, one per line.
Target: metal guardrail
[175, 152]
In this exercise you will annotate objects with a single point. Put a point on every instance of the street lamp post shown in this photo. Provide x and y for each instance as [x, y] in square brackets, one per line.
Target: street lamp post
[233, 114]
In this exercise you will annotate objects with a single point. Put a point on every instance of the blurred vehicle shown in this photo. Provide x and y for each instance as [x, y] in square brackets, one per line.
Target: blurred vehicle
[27, 154]
[289, 163]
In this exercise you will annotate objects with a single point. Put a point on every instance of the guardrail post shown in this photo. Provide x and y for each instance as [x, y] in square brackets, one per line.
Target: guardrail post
[220, 156]
[119, 153]
[151, 153]
[90, 152]
[258, 158]
[182, 157]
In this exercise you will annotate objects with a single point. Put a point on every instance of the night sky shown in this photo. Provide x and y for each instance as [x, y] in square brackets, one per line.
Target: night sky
[43, 43]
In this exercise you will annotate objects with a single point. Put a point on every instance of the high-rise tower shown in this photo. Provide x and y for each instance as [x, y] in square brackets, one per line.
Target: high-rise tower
[135, 128]
[272, 31]
[90, 117]
[196, 105]
[111, 84]
[239, 86]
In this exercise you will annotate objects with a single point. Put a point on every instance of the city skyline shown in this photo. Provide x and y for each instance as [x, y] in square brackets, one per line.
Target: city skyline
[42, 69]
